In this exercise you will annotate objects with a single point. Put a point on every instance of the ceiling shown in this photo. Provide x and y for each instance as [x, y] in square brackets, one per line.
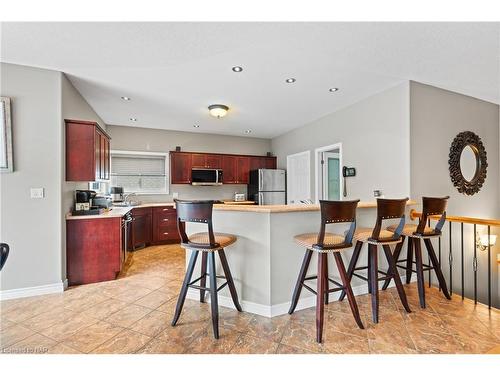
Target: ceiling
[173, 71]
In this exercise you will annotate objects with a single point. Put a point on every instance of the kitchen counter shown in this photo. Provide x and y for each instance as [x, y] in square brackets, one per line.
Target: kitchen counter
[117, 211]
[265, 261]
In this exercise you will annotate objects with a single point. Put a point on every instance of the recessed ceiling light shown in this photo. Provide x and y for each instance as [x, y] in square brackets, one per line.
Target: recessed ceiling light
[333, 89]
[237, 69]
[196, 126]
[218, 110]
[290, 80]
[248, 131]
[126, 98]
[133, 119]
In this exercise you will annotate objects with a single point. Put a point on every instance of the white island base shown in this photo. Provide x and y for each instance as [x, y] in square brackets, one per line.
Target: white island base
[265, 261]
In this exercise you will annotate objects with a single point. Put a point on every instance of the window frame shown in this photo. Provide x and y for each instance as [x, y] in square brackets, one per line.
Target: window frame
[166, 155]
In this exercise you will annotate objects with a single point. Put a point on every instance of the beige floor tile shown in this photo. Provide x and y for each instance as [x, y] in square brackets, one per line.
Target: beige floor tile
[246, 344]
[269, 329]
[286, 349]
[183, 333]
[104, 309]
[155, 299]
[133, 293]
[47, 319]
[156, 346]
[125, 342]
[34, 344]
[302, 335]
[128, 315]
[62, 349]
[13, 334]
[92, 336]
[152, 324]
[205, 343]
[72, 325]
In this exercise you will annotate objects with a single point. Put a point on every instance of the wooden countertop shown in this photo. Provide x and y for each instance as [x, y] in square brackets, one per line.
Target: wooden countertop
[282, 208]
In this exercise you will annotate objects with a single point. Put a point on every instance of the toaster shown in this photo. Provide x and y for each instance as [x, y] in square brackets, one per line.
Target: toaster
[239, 197]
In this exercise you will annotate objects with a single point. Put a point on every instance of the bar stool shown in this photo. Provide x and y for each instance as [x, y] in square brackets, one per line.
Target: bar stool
[386, 209]
[207, 243]
[324, 243]
[430, 207]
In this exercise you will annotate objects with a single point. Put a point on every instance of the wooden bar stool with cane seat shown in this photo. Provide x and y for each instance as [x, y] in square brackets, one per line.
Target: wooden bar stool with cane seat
[324, 243]
[207, 243]
[386, 209]
[430, 207]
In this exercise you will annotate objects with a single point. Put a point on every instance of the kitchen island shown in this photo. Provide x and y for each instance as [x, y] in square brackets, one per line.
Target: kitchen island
[265, 261]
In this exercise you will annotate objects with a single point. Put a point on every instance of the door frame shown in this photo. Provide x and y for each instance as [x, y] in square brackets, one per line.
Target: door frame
[308, 153]
[318, 173]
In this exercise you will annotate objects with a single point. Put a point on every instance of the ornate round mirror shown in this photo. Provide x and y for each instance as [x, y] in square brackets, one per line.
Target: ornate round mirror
[467, 163]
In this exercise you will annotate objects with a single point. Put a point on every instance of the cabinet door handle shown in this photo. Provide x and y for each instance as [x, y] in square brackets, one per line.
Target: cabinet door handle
[165, 209]
[165, 219]
[165, 232]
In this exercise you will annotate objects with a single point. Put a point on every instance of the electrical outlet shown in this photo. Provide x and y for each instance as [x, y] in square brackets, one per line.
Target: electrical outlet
[175, 195]
[36, 193]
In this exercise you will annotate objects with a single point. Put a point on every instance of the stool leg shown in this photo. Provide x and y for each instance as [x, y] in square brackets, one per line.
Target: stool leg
[393, 271]
[213, 294]
[300, 280]
[373, 253]
[352, 265]
[420, 272]
[347, 285]
[369, 270]
[184, 289]
[397, 252]
[409, 260]
[437, 267]
[327, 282]
[203, 281]
[229, 279]
[320, 296]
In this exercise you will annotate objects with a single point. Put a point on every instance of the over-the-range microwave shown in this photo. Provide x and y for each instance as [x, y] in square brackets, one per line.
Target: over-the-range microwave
[200, 176]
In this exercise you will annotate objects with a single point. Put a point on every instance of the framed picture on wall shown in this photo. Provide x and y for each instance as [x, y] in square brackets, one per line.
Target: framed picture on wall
[6, 162]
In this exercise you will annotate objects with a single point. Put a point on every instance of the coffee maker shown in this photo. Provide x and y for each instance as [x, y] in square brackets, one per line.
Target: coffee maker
[116, 193]
[83, 199]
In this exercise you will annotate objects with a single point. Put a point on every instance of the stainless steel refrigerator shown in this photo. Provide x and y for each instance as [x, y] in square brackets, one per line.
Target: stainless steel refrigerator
[267, 186]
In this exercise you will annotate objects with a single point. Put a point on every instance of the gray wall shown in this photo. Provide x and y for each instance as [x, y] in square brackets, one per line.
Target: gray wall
[142, 139]
[73, 106]
[32, 227]
[436, 117]
[375, 139]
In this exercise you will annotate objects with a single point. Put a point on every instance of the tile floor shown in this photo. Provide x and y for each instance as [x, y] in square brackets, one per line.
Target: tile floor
[132, 315]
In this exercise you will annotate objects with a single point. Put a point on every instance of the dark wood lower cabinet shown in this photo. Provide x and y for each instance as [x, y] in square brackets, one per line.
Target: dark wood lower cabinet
[153, 226]
[93, 250]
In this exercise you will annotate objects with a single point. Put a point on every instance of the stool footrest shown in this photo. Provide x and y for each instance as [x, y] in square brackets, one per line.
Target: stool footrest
[206, 289]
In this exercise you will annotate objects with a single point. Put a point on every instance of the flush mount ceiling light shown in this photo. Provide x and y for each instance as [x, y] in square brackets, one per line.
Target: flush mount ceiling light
[248, 131]
[237, 69]
[133, 119]
[126, 98]
[333, 89]
[218, 110]
[196, 126]
[290, 80]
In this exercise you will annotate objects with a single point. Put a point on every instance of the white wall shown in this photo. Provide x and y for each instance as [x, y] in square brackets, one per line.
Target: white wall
[437, 116]
[143, 139]
[375, 140]
[32, 227]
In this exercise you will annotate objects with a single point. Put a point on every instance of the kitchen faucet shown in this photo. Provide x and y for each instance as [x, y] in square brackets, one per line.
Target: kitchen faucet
[126, 197]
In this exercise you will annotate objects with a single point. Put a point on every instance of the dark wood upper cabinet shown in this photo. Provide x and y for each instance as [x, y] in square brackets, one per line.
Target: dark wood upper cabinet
[242, 169]
[229, 169]
[180, 167]
[87, 151]
[235, 168]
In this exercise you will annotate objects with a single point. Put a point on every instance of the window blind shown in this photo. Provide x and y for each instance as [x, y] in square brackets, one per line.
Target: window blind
[139, 173]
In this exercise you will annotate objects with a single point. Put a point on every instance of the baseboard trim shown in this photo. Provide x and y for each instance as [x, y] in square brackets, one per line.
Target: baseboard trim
[270, 311]
[32, 291]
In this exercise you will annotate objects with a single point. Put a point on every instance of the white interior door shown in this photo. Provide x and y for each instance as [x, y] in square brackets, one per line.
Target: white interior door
[298, 177]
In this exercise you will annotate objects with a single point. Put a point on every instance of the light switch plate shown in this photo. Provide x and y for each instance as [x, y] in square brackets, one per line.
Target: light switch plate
[175, 195]
[36, 193]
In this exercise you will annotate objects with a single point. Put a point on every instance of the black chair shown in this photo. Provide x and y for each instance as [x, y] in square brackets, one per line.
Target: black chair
[386, 209]
[430, 207]
[4, 254]
[207, 243]
[324, 243]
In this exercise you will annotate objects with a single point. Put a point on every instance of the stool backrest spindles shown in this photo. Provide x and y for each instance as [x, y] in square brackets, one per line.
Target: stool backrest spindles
[337, 212]
[195, 212]
[432, 206]
[390, 209]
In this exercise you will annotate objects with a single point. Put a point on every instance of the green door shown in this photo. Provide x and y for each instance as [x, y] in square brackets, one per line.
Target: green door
[333, 179]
